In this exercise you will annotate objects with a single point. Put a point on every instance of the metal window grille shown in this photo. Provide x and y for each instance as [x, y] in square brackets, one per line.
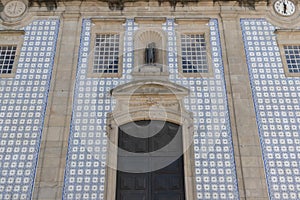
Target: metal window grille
[7, 57]
[106, 53]
[194, 55]
[292, 55]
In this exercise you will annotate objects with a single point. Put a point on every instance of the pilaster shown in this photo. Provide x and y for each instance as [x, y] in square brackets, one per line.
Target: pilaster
[52, 159]
[248, 156]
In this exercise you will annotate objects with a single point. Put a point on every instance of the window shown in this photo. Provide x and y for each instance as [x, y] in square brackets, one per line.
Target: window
[105, 58]
[193, 48]
[7, 58]
[193, 53]
[10, 45]
[106, 53]
[288, 42]
[292, 56]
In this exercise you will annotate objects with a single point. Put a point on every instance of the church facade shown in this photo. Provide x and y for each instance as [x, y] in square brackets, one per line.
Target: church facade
[150, 100]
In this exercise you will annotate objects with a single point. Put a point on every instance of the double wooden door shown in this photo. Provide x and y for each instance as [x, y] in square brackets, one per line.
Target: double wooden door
[150, 162]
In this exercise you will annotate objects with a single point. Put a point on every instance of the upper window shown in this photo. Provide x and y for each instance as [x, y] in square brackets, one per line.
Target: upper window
[7, 58]
[194, 59]
[193, 53]
[106, 53]
[10, 45]
[292, 56]
[105, 59]
[288, 42]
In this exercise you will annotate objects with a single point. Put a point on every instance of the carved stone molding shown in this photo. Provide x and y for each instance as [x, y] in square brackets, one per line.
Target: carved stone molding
[150, 100]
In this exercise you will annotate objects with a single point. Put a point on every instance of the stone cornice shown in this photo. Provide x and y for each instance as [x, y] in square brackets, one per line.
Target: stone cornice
[119, 4]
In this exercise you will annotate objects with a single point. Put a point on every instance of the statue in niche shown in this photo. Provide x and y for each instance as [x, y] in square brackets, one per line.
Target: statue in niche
[150, 54]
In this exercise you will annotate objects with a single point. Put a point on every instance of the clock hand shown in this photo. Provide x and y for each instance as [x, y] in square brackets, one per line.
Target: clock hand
[15, 7]
[284, 7]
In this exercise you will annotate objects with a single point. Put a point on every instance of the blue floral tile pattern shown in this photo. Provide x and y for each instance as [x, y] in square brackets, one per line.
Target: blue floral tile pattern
[277, 106]
[23, 101]
[85, 170]
[214, 157]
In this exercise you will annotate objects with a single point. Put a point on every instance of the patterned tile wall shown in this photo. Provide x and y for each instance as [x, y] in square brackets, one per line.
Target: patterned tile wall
[277, 104]
[85, 170]
[23, 101]
[214, 160]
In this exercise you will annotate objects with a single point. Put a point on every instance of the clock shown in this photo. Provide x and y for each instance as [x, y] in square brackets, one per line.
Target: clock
[285, 7]
[14, 8]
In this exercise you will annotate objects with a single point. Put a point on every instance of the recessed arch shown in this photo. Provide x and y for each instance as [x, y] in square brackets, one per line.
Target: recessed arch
[142, 39]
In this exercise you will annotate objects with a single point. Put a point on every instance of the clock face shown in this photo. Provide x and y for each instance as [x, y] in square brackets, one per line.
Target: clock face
[14, 8]
[285, 7]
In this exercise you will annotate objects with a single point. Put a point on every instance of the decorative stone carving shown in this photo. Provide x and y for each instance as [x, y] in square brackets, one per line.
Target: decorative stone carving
[149, 95]
[150, 52]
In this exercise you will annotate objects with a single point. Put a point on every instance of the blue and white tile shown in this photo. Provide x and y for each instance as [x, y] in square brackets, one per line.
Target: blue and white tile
[23, 101]
[276, 100]
[214, 156]
[215, 167]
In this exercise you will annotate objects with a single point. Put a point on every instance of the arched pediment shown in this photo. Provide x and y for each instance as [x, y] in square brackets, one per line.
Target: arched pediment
[151, 100]
[149, 87]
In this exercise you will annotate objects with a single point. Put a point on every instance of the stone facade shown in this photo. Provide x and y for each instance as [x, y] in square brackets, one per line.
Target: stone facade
[240, 122]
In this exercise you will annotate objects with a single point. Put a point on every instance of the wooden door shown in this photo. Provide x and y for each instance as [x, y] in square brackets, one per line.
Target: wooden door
[154, 170]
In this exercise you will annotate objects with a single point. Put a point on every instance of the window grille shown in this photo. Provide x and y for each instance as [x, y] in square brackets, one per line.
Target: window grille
[292, 55]
[106, 53]
[7, 57]
[194, 54]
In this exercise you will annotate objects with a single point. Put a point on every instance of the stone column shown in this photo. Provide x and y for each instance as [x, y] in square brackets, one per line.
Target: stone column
[247, 149]
[52, 158]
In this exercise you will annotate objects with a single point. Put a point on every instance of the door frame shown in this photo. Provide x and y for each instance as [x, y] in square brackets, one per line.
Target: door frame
[173, 110]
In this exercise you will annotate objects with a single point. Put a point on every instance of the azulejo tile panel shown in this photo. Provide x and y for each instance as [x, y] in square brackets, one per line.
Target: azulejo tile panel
[276, 100]
[214, 158]
[23, 101]
[85, 169]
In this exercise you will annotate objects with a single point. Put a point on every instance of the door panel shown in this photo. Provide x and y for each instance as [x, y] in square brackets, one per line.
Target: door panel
[132, 186]
[170, 181]
[167, 196]
[150, 176]
[133, 196]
